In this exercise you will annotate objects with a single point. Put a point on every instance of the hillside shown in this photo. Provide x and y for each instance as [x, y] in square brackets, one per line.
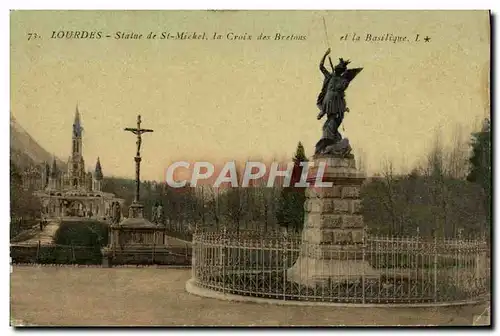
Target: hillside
[24, 150]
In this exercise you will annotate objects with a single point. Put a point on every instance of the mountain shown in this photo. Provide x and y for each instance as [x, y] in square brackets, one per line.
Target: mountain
[24, 150]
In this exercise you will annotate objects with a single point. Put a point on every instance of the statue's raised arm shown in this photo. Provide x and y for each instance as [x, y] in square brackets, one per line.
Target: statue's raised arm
[322, 64]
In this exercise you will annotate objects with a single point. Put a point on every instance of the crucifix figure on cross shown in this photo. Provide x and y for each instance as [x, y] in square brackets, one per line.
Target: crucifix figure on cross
[138, 131]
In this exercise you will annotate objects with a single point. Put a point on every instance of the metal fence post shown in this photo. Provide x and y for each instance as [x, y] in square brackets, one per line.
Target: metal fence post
[223, 255]
[193, 256]
[284, 250]
[435, 267]
[363, 275]
[154, 248]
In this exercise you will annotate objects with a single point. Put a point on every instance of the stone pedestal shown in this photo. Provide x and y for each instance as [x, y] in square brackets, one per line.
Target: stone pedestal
[333, 232]
[135, 239]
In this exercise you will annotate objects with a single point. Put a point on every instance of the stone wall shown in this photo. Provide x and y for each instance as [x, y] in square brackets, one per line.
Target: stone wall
[55, 254]
[170, 256]
[60, 254]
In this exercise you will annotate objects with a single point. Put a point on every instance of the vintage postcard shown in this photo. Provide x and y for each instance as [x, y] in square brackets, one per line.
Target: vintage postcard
[250, 168]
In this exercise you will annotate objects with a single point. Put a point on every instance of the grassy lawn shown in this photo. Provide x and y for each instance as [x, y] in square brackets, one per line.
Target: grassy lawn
[87, 296]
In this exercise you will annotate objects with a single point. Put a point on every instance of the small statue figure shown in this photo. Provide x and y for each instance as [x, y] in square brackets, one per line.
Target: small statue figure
[154, 213]
[112, 212]
[159, 214]
[331, 101]
[117, 212]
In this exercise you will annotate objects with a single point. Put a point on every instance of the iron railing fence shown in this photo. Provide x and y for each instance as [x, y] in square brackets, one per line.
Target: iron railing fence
[185, 229]
[407, 270]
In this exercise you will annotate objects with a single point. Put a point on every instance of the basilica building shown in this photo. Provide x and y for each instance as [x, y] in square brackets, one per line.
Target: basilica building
[72, 191]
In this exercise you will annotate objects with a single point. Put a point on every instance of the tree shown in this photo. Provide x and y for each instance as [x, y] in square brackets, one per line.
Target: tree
[235, 201]
[480, 164]
[434, 198]
[213, 205]
[266, 200]
[23, 203]
[290, 212]
[457, 159]
[420, 202]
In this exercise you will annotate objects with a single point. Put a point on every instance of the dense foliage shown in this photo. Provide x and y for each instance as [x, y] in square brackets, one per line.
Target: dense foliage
[418, 203]
[82, 233]
[480, 164]
[290, 213]
[23, 204]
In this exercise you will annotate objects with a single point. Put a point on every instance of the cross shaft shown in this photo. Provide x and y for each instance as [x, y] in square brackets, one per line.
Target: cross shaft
[138, 131]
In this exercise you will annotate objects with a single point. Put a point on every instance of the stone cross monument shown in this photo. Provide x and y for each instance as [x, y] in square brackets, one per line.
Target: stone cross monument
[136, 209]
[333, 233]
[135, 240]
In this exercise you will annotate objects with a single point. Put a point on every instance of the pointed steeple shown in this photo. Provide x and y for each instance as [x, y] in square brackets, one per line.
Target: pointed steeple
[53, 170]
[98, 170]
[77, 125]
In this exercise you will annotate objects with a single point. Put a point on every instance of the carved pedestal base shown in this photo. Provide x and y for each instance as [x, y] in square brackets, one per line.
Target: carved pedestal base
[135, 240]
[333, 232]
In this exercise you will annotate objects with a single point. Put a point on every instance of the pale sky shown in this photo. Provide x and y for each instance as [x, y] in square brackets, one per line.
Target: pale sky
[221, 100]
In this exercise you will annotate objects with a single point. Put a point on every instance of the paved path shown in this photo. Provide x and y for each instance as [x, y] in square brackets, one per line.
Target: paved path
[71, 296]
[45, 236]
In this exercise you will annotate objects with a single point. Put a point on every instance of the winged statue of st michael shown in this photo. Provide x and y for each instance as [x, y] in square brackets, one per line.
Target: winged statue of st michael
[331, 102]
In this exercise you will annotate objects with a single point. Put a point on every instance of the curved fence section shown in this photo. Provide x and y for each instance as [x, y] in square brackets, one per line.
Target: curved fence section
[409, 270]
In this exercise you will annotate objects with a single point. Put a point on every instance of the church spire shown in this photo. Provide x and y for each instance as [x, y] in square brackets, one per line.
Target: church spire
[77, 125]
[53, 170]
[98, 170]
